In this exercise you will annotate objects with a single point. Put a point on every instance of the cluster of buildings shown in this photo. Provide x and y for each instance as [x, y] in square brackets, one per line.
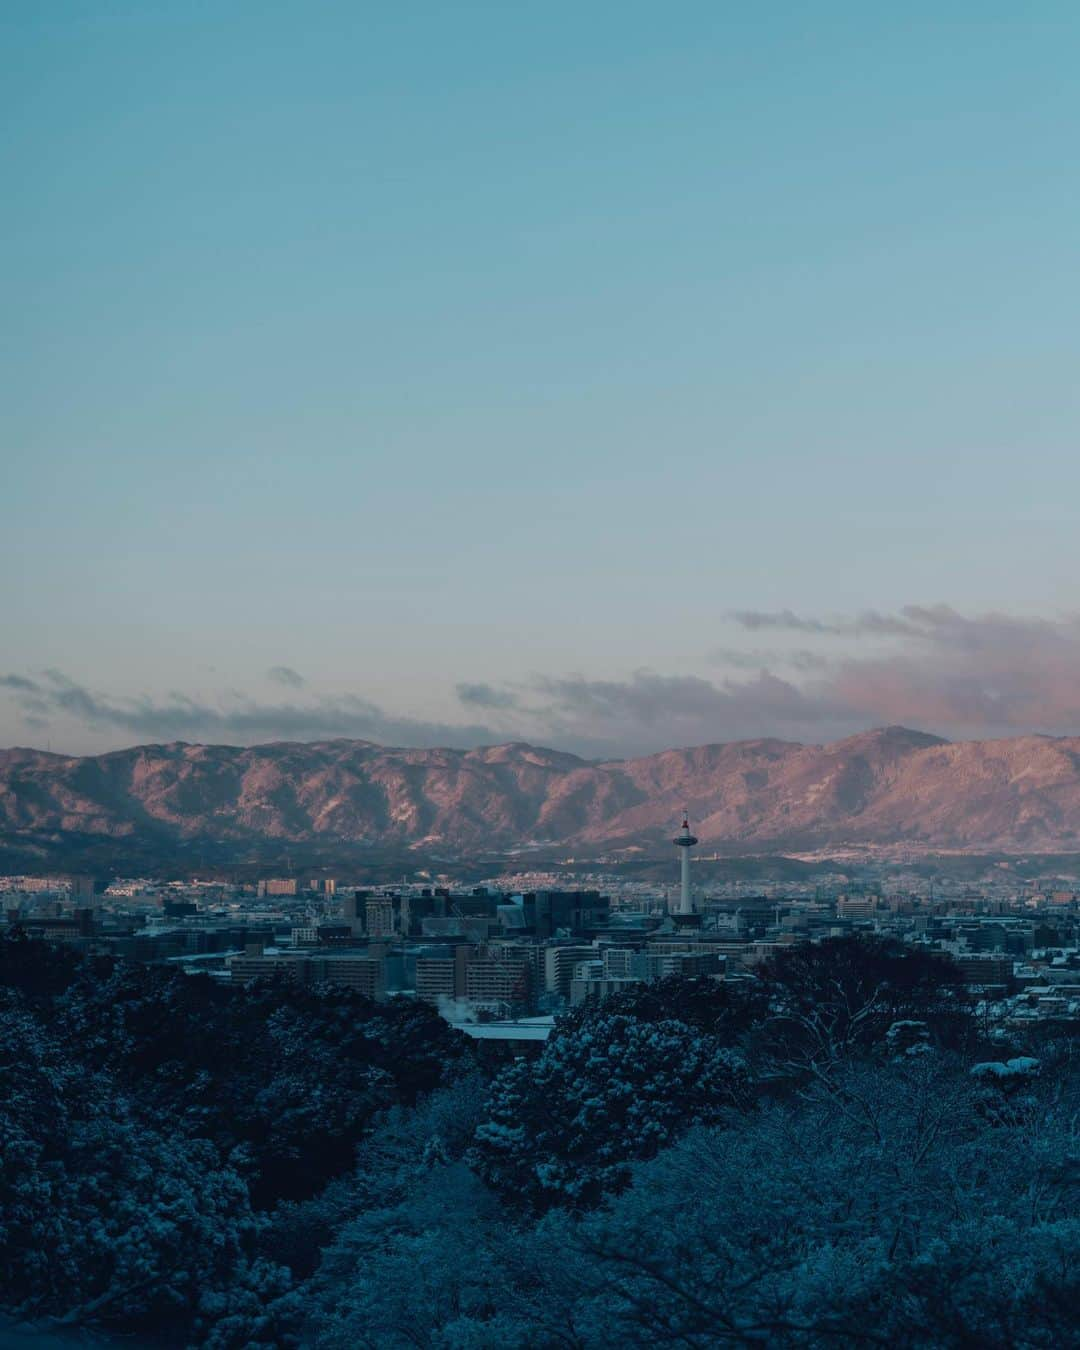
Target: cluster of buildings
[492, 957]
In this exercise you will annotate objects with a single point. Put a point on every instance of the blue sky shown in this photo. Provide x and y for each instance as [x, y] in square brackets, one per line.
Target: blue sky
[516, 349]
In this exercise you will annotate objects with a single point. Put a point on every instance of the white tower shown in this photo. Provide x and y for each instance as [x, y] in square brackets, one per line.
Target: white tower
[684, 841]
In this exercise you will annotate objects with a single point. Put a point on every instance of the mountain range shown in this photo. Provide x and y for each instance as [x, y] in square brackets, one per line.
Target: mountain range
[886, 787]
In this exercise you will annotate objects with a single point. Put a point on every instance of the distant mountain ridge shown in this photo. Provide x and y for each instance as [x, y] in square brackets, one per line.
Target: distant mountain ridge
[884, 787]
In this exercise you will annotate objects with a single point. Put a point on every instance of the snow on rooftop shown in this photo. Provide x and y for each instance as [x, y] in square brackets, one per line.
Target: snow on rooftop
[504, 1031]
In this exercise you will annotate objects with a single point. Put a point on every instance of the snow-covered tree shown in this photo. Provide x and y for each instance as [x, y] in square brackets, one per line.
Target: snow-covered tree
[834, 1000]
[882, 1209]
[103, 1219]
[606, 1091]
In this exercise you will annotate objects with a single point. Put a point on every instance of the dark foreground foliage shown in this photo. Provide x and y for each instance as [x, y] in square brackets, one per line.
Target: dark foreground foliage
[828, 1156]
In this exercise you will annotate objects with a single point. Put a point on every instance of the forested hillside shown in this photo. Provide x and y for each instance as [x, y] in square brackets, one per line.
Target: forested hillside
[836, 1154]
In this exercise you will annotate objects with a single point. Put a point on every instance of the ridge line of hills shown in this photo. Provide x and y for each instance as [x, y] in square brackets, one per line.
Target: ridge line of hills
[891, 786]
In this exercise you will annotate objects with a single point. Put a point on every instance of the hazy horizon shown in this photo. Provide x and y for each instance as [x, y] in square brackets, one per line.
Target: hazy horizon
[531, 745]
